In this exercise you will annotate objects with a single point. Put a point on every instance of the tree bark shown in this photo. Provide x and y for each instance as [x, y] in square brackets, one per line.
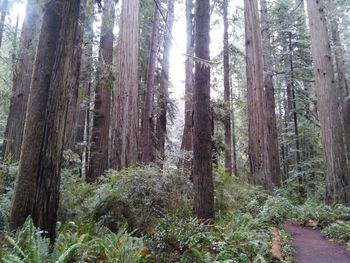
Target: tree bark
[342, 81]
[272, 143]
[257, 121]
[187, 137]
[147, 153]
[99, 154]
[28, 167]
[125, 98]
[161, 125]
[21, 82]
[202, 162]
[48, 177]
[337, 176]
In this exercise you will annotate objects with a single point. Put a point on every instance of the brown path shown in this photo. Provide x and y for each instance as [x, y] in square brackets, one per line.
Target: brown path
[311, 247]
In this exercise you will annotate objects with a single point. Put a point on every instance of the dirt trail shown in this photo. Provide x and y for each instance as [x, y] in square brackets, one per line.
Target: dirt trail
[311, 247]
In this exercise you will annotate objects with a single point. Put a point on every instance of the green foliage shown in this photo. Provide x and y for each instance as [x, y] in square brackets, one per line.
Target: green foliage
[340, 230]
[277, 209]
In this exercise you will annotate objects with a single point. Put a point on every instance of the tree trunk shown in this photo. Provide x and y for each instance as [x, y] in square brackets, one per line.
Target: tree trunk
[4, 11]
[272, 135]
[202, 164]
[342, 82]
[161, 126]
[257, 121]
[21, 82]
[125, 98]
[24, 192]
[187, 137]
[337, 176]
[48, 177]
[227, 97]
[99, 154]
[148, 111]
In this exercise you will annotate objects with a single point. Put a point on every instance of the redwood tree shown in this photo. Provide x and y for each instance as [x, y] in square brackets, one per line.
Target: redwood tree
[202, 163]
[337, 176]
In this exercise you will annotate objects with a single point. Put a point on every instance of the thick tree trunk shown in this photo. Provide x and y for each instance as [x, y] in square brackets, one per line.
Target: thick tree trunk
[161, 126]
[227, 97]
[337, 176]
[28, 167]
[21, 81]
[4, 11]
[342, 82]
[99, 154]
[187, 137]
[202, 163]
[48, 177]
[257, 121]
[272, 136]
[147, 153]
[125, 99]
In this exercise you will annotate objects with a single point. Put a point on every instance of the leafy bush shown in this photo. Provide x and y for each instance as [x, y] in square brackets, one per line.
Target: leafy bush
[339, 230]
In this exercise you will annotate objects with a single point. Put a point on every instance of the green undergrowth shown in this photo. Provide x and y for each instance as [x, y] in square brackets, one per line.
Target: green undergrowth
[143, 214]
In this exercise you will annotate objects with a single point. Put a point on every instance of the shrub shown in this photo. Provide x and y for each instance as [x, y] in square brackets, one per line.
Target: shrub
[339, 230]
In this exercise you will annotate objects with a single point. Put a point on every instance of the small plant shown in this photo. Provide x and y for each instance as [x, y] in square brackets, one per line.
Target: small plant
[340, 230]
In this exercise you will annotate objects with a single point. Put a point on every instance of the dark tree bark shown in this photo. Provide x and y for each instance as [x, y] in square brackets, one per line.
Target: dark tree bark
[99, 154]
[187, 137]
[48, 177]
[147, 153]
[272, 144]
[257, 121]
[337, 176]
[125, 98]
[161, 125]
[4, 11]
[227, 96]
[21, 82]
[28, 167]
[202, 164]
[342, 81]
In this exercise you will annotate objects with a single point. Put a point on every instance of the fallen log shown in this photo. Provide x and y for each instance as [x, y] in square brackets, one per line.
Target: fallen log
[276, 251]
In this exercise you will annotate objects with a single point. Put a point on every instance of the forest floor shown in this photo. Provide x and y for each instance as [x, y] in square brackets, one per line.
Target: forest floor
[311, 247]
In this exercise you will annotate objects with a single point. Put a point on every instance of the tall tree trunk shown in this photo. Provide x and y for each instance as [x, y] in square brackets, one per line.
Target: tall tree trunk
[337, 176]
[125, 98]
[342, 82]
[272, 135]
[202, 164]
[99, 154]
[21, 81]
[147, 154]
[4, 11]
[227, 97]
[257, 121]
[161, 125]
[48, 177]
[28, 167]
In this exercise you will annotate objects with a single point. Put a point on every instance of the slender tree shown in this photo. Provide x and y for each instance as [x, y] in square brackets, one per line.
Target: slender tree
[257, 122]
[125, 99]
[99, 154]
[148, 110]
[202, 161]
[4, 11]
[28, 167]
[163, 94]
[337, 176]
[270, 98]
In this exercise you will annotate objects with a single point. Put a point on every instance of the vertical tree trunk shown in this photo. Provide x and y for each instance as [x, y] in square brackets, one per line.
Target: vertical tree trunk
[257, 121]
[337, 176]
[24, 192]
[342, 82]
[4, 10]
[125, 98]
[99, 154]
[272, 135]
[202, 165]
[227, 97]
[148, 111]
[48, 177]
[21, 82]
[187, 138]
[161, 126]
